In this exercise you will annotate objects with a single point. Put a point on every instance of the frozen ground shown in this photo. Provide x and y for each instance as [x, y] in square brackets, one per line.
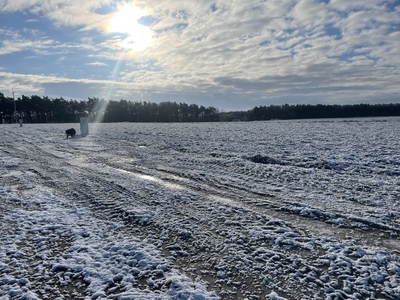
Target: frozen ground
[267, 210]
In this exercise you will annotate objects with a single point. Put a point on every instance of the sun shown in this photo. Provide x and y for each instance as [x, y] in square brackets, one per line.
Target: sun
[125, 20]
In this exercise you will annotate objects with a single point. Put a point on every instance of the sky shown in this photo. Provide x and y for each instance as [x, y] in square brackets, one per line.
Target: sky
[232, 55]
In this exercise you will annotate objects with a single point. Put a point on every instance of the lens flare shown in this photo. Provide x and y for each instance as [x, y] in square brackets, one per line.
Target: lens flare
[138, 38]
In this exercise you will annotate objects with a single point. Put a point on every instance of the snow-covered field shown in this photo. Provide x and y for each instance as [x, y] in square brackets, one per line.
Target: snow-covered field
[261, 210]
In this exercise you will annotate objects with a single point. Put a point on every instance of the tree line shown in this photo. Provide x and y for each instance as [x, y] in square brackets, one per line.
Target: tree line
[36, 109]
[302, 111]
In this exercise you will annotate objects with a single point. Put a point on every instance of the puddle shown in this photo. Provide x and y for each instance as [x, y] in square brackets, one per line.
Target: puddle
[224, 200]
[172, 186]
[78, 161]
[13, 173]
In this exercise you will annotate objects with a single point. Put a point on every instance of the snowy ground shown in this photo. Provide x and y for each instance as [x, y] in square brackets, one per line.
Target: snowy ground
[267, 210]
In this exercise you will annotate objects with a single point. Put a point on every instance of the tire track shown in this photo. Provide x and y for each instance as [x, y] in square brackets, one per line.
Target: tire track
[231, 243]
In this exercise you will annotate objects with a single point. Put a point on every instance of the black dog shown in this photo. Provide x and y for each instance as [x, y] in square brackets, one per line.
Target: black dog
[70, 132]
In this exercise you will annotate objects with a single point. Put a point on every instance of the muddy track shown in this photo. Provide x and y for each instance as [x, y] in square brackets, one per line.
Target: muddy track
[195, 252]
[198, 224]
[368, 233]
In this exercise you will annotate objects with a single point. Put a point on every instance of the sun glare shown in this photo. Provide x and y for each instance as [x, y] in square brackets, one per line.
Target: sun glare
[125, 20]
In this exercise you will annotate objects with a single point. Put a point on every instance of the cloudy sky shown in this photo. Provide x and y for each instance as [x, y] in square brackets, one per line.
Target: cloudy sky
[230, 54]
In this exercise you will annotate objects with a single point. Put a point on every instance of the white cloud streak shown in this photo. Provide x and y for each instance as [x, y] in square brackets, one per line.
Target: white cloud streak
[97, 64]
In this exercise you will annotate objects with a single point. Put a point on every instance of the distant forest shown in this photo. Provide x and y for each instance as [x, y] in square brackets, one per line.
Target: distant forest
[36, 109]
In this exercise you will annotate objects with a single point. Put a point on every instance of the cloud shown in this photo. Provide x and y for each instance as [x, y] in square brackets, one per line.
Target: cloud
[61, 12]
[54, 86]
[256, 51]
[97, 64]
[15, 41]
